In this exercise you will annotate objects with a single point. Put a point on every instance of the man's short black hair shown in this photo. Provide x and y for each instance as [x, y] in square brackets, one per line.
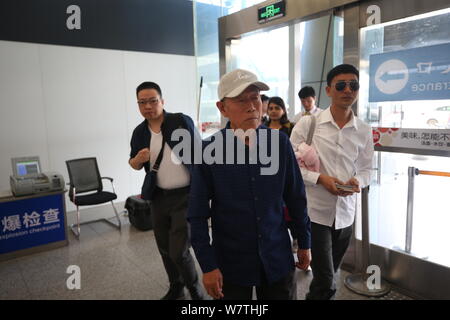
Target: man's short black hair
[148, 85]
[264, 98]
[341, 69]
[306, 92]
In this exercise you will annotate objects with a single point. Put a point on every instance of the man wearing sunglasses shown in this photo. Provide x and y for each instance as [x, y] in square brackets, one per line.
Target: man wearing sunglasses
[344, 145]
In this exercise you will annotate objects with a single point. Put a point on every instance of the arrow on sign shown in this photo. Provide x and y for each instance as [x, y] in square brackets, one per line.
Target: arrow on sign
[388, 76]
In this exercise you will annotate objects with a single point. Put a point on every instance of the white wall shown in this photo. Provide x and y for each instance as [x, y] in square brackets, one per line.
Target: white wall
[62, 103]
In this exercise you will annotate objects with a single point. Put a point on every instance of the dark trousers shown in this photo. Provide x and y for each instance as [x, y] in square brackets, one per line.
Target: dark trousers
[284, 289]
[172, 237]
[328, 247]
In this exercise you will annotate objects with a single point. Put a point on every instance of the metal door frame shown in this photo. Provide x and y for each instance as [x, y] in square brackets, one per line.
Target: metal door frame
[417, 277]
[245, 21]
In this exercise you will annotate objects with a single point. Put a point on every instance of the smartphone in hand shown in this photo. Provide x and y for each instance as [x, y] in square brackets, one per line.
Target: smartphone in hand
[345, 187]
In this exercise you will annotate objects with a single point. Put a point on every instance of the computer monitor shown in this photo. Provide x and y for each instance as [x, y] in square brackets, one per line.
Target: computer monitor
[26, 166]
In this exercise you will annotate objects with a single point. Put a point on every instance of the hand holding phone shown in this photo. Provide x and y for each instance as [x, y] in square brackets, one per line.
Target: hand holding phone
[345, 187]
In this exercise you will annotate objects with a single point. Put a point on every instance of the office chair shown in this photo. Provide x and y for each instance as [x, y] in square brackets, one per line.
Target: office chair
[85, 177]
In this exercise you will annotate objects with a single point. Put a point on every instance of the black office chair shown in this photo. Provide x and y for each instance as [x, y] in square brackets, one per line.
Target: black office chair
[85, 177]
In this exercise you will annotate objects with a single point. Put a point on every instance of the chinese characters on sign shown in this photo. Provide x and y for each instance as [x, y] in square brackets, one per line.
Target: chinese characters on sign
[428, 139]
[412, 138]
[272, 11]
[13, 222]
[32, 222]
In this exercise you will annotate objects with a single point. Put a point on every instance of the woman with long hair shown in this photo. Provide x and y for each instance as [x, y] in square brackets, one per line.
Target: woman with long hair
[278, 116]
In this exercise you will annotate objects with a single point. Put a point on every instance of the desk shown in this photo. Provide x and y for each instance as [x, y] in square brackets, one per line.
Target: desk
[32, 224]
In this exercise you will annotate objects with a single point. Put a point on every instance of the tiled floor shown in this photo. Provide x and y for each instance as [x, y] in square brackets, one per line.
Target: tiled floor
[114, 265]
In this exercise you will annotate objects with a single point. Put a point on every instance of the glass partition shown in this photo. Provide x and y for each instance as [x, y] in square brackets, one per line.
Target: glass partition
[206, 15]
[389, 189]
[267, 55]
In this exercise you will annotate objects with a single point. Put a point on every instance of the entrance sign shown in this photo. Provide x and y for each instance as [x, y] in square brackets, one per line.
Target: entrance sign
[413, 74]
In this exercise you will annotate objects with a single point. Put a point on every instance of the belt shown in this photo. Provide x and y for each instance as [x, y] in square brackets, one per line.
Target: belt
[168, 192]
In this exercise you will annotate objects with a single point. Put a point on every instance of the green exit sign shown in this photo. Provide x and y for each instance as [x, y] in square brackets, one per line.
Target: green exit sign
[272, 11]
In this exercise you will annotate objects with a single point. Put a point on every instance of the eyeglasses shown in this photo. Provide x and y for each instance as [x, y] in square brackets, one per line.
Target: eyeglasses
[152, 102]
[353, 84]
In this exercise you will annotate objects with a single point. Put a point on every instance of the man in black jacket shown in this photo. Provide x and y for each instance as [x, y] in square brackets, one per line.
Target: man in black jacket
[170, 195]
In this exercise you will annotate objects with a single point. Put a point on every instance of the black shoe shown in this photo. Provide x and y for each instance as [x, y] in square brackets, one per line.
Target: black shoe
[330, 295]
[174, 294]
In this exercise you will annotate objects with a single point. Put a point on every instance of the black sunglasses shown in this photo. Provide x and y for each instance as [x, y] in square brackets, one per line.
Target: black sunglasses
[353, 84]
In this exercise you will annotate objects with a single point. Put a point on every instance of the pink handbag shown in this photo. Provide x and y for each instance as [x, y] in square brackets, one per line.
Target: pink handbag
[306, 155]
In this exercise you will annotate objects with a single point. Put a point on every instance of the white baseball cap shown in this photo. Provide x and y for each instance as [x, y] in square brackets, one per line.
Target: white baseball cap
[235, 82]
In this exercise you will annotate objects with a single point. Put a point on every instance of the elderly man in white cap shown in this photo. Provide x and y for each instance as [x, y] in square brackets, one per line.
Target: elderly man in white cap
[250, 244]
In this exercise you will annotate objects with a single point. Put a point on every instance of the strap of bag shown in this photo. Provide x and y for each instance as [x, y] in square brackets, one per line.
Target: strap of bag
[176, 118]
[312, 127]
[160, 155]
